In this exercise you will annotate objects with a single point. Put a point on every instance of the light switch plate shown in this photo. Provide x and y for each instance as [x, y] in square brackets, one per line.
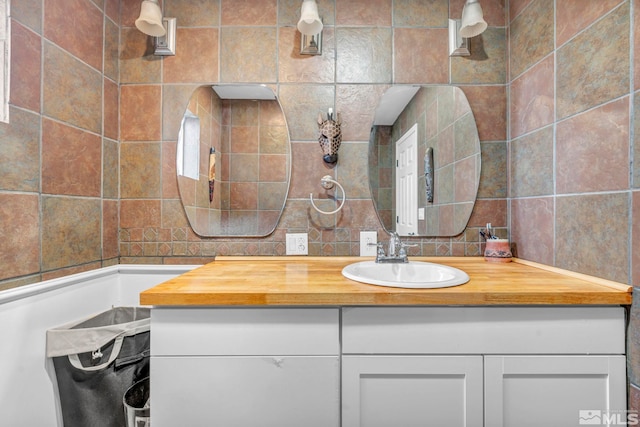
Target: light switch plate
[367, 237]
[297, 244]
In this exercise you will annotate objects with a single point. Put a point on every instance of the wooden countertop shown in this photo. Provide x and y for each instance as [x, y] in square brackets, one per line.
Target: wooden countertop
[318, 281]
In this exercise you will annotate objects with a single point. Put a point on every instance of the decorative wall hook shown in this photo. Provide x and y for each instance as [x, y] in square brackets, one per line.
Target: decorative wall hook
[330, 136]
[328, 183]
[428, 174]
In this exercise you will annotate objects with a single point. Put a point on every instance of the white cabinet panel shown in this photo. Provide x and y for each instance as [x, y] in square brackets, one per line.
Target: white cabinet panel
[552, 390]
[398, 366]
[408, 391]
[244, 331]
[483, 330]
[245, 391]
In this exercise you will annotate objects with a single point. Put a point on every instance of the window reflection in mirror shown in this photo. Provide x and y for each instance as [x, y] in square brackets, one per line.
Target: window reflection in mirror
[233, 160]
[443, 121]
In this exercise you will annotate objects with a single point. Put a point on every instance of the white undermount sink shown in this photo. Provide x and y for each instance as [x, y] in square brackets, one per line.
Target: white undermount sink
[414, 274]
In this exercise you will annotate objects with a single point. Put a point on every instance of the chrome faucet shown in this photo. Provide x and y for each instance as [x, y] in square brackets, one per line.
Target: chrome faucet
[394, 244]
[397, 252]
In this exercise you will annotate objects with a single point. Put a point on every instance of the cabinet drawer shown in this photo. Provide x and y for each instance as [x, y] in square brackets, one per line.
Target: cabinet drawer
[244, 331]
[483, 330]
[287, 391]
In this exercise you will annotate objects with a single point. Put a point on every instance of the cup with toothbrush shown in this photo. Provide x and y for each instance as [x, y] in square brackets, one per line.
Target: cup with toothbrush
[496, 250]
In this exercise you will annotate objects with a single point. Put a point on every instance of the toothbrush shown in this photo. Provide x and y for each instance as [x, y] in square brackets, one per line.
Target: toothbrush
[488, 234]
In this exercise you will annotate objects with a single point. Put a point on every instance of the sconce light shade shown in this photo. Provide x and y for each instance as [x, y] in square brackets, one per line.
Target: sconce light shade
[309, 23]
[473, 22]
[310, 26]
[150, 20]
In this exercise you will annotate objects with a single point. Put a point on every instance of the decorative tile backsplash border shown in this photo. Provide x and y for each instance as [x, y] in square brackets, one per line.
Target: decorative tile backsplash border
[161, 245]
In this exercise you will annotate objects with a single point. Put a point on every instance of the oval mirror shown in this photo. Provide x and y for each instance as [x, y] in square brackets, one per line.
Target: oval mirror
[233, 160]
[424, 160]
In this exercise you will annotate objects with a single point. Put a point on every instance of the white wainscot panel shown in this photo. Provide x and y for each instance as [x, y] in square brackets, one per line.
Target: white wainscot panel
[28, 395]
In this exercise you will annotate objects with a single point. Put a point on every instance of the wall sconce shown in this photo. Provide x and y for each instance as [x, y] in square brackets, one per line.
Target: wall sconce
[310, 26]
[460, 30]
[151, 23]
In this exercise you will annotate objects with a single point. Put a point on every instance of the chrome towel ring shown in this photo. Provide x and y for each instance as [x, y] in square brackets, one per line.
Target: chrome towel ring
[328, 183]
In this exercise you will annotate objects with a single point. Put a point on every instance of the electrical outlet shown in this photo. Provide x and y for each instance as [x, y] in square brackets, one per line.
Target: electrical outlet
[368, 240]
[297, 244]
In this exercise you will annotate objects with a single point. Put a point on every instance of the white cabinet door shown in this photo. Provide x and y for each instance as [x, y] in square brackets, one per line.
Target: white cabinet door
[289, 391]
[408, 391]
[554, 390]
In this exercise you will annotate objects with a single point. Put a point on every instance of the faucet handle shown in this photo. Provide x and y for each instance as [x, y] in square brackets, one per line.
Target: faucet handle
[408, 245]
[379, 245]
[404, 246]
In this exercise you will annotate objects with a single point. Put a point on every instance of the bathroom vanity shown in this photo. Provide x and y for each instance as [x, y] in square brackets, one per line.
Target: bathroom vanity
[289, 342]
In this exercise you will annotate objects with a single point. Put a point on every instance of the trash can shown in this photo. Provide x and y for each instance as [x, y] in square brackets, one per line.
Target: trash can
[96, 360]
[136, 404]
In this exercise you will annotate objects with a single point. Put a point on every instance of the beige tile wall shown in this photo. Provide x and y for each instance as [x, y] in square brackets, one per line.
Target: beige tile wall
[574, 114]
[66, 120]
[59, 166]
[571, 103]
[367, 46]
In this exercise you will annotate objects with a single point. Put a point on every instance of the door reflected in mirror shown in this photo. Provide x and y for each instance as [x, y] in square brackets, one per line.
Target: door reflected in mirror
[424, 160]
[233, 160]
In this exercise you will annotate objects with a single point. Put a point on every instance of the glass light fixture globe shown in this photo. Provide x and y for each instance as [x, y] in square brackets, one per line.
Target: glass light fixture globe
[150, 20]
[309, 23]
[473, 22]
